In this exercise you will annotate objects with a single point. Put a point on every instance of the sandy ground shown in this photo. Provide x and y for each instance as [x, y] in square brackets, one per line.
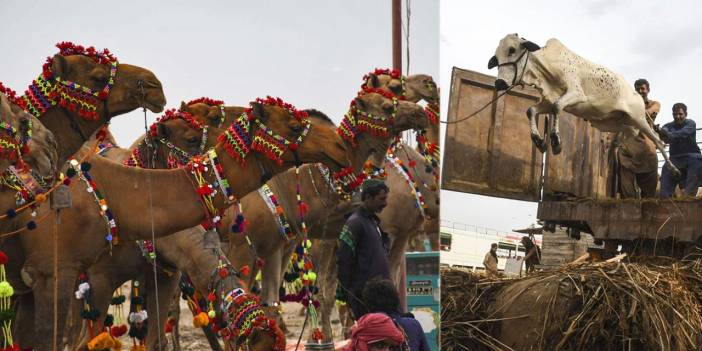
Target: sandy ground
[193, 339]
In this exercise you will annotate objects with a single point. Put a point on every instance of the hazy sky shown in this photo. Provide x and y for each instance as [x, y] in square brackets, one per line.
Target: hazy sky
[312, 54]
[637, 39]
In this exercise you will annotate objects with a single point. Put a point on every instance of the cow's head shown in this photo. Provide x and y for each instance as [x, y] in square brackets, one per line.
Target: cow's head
[510, 59]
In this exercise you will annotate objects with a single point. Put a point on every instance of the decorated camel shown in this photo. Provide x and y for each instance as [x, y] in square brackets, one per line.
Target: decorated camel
[273, 248]
[415, 88]
[388, 118]
[172, 141]
[412, 176]
[77, 92]
[182, 198]
[180, 250]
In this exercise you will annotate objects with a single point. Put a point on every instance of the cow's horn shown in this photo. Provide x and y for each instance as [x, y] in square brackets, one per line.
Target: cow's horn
[530, 46]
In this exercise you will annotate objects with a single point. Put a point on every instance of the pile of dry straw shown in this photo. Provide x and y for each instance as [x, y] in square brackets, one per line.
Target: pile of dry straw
[654, 304]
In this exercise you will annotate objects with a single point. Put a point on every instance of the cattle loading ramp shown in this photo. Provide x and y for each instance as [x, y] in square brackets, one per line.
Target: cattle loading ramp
[492, 154]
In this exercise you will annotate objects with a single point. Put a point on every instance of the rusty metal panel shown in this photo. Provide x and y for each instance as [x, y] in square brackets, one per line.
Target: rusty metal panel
[584, 167]
[490, 153]
[629, 219]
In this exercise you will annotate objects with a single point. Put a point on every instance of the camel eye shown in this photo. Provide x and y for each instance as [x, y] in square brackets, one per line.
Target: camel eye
[193, 140]
[511, 50]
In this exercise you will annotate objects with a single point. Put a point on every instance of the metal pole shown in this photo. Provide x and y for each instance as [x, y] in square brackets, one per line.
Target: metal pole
[397, 35]
[397, 64]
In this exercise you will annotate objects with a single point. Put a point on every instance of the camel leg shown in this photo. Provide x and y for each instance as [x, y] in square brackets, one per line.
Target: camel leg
[44, 302]
[532, 112]
[174, 313]
[328, 284]
[271, 275]
[323, 252]
[166, 287]
[24, 321]
[397, 250]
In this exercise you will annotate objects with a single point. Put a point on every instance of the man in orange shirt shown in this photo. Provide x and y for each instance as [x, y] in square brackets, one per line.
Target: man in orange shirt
[638, 161]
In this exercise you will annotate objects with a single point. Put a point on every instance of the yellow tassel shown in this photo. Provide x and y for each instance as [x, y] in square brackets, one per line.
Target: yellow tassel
[102, 341]
[201, 320]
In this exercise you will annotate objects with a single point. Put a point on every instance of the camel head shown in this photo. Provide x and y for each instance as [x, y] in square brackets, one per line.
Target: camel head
[21, 128]
[178, 136]
[386, 79]
[374, 121]
[421, 87]
[133, 86]
[285, 136]
[411, 88]
[247, 324]
[92, 87]
[212, 112]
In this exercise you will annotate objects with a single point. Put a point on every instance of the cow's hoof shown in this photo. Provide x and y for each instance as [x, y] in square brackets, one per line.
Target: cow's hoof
[539, 143]
[556, 144]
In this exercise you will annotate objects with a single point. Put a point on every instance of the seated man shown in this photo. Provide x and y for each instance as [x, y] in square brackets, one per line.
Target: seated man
[684, 153]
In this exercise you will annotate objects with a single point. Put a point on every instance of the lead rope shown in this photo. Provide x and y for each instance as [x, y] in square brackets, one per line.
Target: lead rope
[151, 161]
[514, 84]
[55, 334]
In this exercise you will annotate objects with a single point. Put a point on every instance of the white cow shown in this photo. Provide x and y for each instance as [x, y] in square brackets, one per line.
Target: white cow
[568, 82]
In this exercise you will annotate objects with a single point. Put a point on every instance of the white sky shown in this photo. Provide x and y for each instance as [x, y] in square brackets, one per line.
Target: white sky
[638, 39]
[312, 54]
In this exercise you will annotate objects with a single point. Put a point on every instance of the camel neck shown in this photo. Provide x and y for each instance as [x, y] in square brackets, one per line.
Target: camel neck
[69, 130]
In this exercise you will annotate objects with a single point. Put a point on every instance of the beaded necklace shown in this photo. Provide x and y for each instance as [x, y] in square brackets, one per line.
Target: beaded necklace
[277, 210]
[200, 165]
[409, 179]
[82, 170]
[50, 90]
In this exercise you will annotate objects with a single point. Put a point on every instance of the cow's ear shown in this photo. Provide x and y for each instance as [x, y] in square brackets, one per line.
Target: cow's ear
[530, 46]
[492, 63]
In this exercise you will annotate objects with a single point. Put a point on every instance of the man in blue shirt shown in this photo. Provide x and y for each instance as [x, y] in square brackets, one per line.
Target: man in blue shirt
[684, 153]
[380, 296]
[363, 247]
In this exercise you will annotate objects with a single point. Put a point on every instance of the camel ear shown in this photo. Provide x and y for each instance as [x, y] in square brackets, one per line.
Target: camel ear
[493, 62]
[530, 46]
[25, 127]
[360, 104]
[372, 81]
[60, 65]
[162, 131]
[183, 107]
[259, 112]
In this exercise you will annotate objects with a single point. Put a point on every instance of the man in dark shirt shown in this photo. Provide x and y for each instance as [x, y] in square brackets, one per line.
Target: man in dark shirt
[363, 248]
[684, 153]
[381, 296]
